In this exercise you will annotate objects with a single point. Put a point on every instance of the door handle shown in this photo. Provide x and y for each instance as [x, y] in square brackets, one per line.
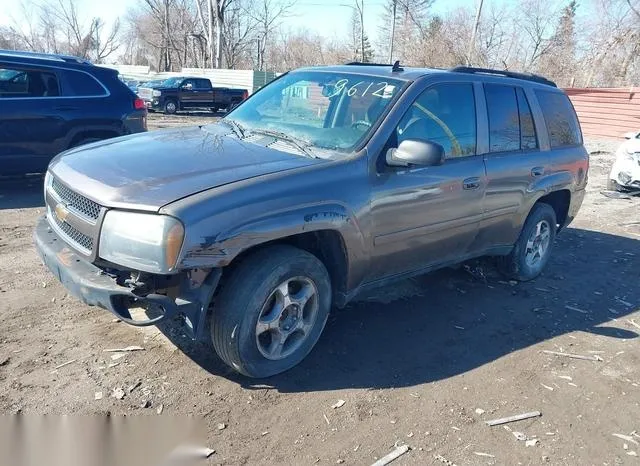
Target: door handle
[65, 108]
[537, 171]
[471, 183]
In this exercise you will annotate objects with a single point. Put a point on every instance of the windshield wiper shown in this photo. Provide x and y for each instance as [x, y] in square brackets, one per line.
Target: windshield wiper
[301, 144]
[235, 126]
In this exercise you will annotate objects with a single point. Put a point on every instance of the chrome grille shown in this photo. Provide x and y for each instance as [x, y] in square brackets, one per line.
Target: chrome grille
[75, 201]
[145, 93]
[79, 239]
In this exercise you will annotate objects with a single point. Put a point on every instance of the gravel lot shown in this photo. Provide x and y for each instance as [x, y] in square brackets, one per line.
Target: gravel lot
[423, 363]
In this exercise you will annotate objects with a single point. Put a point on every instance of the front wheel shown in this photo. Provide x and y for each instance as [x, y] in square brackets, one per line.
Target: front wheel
[170, 107]
[271, 311]
[533, 248]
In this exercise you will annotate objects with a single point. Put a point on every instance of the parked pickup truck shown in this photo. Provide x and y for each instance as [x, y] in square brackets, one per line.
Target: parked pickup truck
[176, 94]
[325, 183]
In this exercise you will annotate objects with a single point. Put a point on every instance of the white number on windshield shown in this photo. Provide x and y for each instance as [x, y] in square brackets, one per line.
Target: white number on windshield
[380, 89]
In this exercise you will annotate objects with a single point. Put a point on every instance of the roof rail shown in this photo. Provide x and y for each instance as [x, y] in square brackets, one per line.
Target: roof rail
[394, 67]
[510, 74]
[45, 56]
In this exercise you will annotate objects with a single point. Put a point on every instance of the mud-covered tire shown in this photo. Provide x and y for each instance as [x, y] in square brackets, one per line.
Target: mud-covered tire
[520, 264]
[253, 288]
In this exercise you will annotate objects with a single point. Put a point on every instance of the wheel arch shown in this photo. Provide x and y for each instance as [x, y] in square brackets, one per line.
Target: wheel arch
[327, 245]
[99, 134]
[328, 231]
[560, 201]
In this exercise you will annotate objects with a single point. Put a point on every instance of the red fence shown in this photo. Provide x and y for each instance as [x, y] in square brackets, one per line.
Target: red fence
[606, 112]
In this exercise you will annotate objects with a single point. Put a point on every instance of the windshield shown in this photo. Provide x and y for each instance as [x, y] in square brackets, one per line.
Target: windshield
[172, 82]
[323, 110]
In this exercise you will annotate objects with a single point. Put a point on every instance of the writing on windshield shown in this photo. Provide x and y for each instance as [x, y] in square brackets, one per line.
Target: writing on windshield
[333, 111]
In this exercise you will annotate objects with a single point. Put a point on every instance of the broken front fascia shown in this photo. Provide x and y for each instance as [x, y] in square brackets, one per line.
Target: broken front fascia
[626, 168]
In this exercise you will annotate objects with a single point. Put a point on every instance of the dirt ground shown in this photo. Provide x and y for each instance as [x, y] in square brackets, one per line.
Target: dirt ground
[422, 363]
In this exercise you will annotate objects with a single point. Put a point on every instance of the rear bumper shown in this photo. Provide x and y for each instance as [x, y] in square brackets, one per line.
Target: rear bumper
[577, 197]
[136, 122]
[95, 287]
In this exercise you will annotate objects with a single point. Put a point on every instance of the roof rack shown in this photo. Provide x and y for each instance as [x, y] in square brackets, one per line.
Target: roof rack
[45, 56]
[394, 67]
[510, 74]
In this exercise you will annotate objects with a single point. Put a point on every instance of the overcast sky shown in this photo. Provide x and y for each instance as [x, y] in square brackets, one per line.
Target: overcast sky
[327, 17]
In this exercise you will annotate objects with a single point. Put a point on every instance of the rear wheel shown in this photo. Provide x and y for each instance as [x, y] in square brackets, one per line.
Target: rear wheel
[533, 248]
[271, 311]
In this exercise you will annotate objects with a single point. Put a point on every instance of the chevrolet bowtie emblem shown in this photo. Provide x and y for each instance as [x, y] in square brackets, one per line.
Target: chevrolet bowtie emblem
[61, 211]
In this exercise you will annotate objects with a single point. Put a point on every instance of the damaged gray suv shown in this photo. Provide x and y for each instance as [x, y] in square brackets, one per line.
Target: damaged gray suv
[325, 183]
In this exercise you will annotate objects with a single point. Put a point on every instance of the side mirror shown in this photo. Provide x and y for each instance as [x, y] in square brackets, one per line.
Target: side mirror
[631, 135]
[187, 86]
[416, 152]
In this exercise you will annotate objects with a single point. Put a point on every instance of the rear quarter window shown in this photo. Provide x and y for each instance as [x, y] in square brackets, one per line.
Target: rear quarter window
[560, 119]
[82, 85]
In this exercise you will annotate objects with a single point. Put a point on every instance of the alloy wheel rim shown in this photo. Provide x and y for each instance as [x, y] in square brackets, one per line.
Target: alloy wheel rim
[287, 318]
[538, 244]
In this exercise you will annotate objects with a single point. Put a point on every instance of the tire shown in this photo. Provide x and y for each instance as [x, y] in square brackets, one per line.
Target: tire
[170, 107]
[521, 264]
[251, 315]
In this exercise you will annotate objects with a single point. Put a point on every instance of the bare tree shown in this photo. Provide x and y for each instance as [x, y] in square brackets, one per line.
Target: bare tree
[237, 35]
[268, 15]
[403, 25]
[58, 26]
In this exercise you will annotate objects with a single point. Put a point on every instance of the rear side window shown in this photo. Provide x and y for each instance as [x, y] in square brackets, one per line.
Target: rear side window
[511, 125]
[203, 83]
[82, 85]
[504, 122]
[560, 119]
[27, 83]
[528, 139]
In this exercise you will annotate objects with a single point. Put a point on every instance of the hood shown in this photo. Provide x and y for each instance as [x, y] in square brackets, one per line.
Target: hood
[149, 170]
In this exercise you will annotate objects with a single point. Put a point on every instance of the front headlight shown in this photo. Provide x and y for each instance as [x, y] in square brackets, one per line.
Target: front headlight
[146, 242]
[47, 182]
[156, 93]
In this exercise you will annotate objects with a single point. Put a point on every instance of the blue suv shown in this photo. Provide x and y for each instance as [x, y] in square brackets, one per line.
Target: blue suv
[50, 103]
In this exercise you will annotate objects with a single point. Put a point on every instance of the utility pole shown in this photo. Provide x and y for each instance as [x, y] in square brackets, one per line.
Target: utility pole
[361, 9]
[472, 44]
[210, 31]
[218, 34]
[393, 30]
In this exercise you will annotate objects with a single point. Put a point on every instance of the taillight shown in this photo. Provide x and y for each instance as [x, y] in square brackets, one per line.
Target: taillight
[138, 104]
[245, 94]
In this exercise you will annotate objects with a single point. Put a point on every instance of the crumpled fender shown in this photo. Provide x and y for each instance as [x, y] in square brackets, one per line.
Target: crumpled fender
[221, 249]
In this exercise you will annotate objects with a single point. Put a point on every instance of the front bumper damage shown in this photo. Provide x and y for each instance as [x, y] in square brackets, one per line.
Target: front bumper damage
[625, 172]
[185, 296]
